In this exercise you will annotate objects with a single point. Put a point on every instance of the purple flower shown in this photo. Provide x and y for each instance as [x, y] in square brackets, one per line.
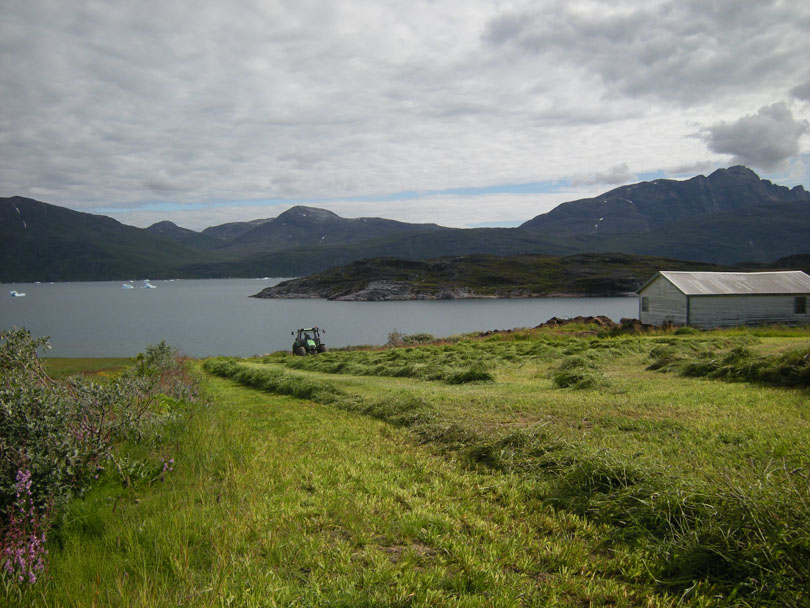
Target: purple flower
[168, 465]
[23, 546]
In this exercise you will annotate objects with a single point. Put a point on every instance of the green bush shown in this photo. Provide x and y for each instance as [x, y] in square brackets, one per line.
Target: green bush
[63, 432]
[58, 437]
[397, 338]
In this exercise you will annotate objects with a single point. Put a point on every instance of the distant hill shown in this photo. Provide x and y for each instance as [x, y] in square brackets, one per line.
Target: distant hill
[419, 245]
[648, 206]
[311, 227]
[729, 217]
[42, 242]
[224, 233]
[798, 262]
[184, 236]
[607, 274]
[759, 233]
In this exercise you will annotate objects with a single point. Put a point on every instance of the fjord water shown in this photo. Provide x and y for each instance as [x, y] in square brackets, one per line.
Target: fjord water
[217, 316]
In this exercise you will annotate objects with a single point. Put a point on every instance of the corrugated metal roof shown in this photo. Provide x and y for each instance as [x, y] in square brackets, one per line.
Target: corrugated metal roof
[739, 283]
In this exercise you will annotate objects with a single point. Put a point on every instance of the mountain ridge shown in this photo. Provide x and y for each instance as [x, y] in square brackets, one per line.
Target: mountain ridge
[645, 206]
[310, 226]
[728, 217]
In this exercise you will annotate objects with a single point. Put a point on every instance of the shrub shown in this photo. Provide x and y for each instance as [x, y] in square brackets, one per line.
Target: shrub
[57, 437]
[420, 338]
[46, 428]
[397, 338]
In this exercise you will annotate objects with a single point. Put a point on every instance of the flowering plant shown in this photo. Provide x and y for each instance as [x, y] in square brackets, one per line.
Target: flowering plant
[23, 546]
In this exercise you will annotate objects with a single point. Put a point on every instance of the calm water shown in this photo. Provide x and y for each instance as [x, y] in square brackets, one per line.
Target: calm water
[216, 317]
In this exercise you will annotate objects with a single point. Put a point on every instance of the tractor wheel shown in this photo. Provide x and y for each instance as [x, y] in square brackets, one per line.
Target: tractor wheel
[322, 348]
[300, 351]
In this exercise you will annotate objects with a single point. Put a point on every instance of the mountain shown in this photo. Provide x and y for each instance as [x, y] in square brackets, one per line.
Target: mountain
[311, 227]
[42, 242]
[647, 206]
[225, 233]
[729, 217]
[184, 236]
[759, 233]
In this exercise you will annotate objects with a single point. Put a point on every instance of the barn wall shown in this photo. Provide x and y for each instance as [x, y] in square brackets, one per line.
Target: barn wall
[720, 311]
[666, 304]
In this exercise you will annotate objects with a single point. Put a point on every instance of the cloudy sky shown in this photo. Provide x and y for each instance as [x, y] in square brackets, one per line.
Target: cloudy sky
[466, 113]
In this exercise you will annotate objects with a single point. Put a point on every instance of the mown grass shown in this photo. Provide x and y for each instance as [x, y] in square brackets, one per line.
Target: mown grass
[707, 480]
[275, 501]
[306, 483]
[457, 363]
[785, 367]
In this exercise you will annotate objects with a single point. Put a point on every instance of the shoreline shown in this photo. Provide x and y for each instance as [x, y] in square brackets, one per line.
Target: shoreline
[356, 297]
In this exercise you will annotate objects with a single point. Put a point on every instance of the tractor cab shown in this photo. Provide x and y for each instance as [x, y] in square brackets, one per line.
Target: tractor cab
[308, 341]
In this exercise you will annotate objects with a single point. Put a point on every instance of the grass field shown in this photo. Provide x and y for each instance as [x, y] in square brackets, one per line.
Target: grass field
[537, 468]
[98, 368]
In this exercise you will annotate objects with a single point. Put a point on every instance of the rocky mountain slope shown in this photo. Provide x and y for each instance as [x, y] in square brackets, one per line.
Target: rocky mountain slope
[649, 206]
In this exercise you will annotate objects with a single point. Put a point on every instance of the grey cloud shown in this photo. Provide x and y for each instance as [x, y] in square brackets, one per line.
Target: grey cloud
[680, 51]
[703, 167]
[801, 91]
[163, 185]
[765, 140]
[194, 101]
[620, 174]
[301, 159]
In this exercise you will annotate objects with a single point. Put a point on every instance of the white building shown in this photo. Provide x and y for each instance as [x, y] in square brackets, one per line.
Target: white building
[721, 299]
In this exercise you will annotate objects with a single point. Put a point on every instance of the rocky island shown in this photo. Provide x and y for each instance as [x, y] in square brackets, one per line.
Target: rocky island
[481, 276]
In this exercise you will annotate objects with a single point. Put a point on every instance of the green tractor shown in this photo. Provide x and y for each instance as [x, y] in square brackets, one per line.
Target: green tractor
[308, 341]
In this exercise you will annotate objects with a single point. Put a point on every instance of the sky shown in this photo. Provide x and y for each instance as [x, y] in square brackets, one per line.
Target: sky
[466, 113]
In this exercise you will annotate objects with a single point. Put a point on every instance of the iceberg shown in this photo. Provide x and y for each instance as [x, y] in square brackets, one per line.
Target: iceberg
[16, 294]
